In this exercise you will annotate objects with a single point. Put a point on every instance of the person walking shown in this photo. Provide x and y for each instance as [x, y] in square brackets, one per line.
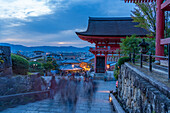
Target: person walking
[53, 85]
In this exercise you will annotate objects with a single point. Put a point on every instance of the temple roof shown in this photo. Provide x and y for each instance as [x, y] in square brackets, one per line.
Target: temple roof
[112, 27]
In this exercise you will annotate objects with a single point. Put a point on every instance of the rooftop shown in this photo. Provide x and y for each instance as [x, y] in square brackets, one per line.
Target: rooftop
[70, 61]
[113, 27]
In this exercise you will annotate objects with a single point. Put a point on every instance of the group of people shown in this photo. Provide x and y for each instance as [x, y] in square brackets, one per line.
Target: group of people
[70, 89]
[63, 73]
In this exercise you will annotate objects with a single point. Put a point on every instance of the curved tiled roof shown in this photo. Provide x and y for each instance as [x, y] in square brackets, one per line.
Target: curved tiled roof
[113, 26]
[70, 61]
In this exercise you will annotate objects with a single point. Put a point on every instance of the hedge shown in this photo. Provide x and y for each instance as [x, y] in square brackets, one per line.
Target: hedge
[20, 65]
[123, 60]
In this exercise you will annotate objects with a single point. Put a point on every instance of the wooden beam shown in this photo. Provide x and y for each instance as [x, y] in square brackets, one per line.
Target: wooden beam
[139, 1]
[165, 41]
[166, 5]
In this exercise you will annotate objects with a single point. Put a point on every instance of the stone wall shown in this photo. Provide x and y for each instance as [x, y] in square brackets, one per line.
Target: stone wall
[139, 93]
[21, 84]
[5, 55]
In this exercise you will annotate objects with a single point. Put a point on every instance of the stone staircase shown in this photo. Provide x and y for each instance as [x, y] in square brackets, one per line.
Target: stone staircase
[99, 76]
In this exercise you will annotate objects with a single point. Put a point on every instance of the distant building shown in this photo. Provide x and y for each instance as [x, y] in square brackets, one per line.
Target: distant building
[72, 62]
[38, 55]
[69, 56]
[57, 57]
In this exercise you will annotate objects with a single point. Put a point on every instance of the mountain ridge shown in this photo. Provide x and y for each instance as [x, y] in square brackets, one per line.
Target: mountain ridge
[15, 48]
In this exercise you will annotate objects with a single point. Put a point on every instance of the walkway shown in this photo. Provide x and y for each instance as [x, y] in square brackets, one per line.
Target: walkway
[98, 104]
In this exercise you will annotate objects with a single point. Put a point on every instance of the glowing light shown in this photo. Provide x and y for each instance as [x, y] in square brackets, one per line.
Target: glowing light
[110, 99]
[108, 66]
[104, 91]
[72, 66]
[116, 83]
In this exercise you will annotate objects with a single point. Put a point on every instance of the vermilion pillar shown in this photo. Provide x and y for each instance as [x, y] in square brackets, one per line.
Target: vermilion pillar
[95, 64]
[105, 62]
[160, 21]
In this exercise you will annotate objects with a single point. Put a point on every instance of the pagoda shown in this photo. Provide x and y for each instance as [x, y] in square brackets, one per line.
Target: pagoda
[106, 34]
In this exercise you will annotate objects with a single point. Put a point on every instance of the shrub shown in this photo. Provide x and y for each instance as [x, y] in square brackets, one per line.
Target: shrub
[117, 68]
[48, 66]
[19, 64]
[35, 65]
[116, 73]
[123, 60]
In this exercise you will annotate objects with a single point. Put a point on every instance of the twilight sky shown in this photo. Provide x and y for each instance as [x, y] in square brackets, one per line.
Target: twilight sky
[53, 22]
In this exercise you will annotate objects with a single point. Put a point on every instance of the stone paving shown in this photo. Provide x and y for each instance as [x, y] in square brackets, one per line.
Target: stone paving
[98, 104]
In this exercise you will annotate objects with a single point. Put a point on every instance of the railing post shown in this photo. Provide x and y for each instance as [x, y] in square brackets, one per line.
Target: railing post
[141, 60]
[150, 62]
[130, 57]
[168, 61]
[133, 58]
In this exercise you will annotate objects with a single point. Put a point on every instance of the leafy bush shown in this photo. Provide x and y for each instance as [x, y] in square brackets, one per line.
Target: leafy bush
[48, 66]
[116, 73]
[19, 64]
[117, 66]
[123, 60]
[130, 44]
[36, 65]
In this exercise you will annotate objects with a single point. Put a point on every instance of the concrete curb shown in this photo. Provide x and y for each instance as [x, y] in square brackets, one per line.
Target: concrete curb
[116, 104]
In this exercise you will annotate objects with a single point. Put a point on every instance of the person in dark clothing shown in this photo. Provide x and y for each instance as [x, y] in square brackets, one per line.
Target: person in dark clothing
[53, 85]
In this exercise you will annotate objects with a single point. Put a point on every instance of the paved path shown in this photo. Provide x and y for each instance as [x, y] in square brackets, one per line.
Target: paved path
[98, 104]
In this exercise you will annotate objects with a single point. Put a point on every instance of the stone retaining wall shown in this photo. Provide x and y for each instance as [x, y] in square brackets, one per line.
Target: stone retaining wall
[21, 84]
[139, 93]
[5, 55]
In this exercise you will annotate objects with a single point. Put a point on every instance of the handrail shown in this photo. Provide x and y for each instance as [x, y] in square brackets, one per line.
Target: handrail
[155, 56]
[21, 94]
[150, 60]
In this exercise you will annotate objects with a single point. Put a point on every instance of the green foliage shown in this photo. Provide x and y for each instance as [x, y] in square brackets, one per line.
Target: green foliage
[123, 60]
[48, 66]
[117, 66]
[19, 64]
[35, 65]
[53, 62]
[116, 71]
[151, 47]
[116, 74]
[49, 59]
[1, 60]
[130, 44]
[40, 60]
[145, 14]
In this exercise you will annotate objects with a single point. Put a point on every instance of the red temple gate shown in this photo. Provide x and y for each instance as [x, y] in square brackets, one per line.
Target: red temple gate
[106, 34]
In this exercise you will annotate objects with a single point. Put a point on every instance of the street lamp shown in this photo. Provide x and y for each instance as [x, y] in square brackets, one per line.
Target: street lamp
[144, 46]
[143, 50]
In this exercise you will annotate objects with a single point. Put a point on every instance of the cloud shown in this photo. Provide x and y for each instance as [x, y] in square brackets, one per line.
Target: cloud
[21, 9]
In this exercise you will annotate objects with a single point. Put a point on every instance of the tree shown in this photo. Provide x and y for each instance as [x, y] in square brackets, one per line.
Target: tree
[35, 65]
[145, 14]
[20, 65]
[130, 45]
[48, 66]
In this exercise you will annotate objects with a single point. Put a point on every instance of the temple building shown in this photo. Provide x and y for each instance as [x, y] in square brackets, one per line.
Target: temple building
[106, 34]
